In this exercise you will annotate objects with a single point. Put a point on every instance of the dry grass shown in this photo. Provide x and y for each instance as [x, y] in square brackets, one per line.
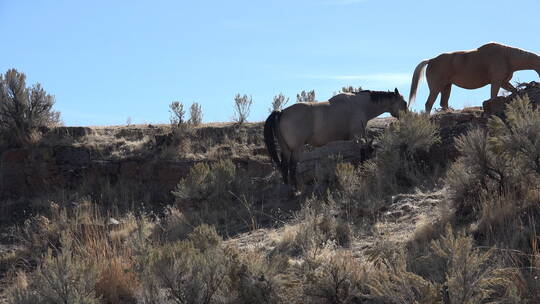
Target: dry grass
[319, 256]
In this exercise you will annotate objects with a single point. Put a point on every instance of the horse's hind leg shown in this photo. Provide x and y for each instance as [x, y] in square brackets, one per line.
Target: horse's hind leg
[285, 167]
[431, 100]
[445, 96]
[293, 163]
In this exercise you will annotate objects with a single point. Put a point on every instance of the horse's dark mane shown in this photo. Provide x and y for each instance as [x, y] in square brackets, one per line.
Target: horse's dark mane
[377, 96]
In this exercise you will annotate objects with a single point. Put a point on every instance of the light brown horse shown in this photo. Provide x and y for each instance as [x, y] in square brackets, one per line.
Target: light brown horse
[491, 63]
[342, 117]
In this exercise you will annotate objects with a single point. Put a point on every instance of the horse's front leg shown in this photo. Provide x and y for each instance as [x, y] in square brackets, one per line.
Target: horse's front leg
[495, 87]
[359, 131]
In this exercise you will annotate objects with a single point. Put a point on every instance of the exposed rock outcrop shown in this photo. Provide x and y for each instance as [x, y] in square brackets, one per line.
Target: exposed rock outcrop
[496, 106]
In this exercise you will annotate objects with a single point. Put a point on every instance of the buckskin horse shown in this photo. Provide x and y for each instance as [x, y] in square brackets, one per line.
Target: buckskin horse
[491, 63]
[342, 117]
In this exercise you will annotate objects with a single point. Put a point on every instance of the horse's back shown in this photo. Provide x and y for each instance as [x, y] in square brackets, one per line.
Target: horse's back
[493, 47]
[467, 69]
[315, 123]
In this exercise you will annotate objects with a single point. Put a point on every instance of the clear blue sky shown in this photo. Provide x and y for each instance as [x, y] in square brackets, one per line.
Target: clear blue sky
[106, 61]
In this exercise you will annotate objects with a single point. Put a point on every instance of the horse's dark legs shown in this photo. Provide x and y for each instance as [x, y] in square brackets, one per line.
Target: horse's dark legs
[293, 163]
[292, 172]
[285, 168]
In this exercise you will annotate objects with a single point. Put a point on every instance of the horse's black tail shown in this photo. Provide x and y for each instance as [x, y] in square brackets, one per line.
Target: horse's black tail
[270, 134]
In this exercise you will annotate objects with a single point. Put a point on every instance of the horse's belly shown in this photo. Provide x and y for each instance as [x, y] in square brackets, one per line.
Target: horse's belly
[471, 80]
[321, 140]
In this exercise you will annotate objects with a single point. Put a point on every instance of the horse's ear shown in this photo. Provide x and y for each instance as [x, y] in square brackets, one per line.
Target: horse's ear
[396, 91]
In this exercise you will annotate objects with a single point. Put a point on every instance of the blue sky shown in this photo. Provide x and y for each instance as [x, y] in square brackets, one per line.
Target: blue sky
[106, 61]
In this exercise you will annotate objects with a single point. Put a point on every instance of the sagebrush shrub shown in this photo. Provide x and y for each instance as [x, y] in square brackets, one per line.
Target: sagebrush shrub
[205, 237]
[306, 96]
[469, 277]
[477, 172]
[399, 159]
[189, 275]
[278, 102]
[242, 107]
[358, 190]
[254, 277]
[23, 109]
[315, 228]
[518, 136]
[206, 184]
[195, 114]
[400, 163]
[65, 278]
[173, 226]
[500, 160]
[391, 282]
[216, 194]
[177, 112]
[340, 279]
[351, 89]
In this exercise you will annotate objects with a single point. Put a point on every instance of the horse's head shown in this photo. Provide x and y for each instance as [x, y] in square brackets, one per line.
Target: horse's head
[398, 104]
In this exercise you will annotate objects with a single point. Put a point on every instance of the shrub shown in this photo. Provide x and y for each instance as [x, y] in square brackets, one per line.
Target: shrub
[205, 237]
[188, 275]
[401, 146]
[498, 161]
[338, 280]
[216, 194]
[278, 103]
[316, 227]
[195, 114]
[469, 277]
[177, 112]
[508, 222]
[39, 232]
[518, 136]
[64, 278]
[400, 160]
[254, 277]
[391, 282]
[242, 107]
[400, 163]
[174, 226]
[351, 89]
[358, 192]
[207, 185]
[304, 96]
[477, 172]
[23, 110]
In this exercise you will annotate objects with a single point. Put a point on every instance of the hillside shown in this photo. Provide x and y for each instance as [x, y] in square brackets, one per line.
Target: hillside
[393, 220]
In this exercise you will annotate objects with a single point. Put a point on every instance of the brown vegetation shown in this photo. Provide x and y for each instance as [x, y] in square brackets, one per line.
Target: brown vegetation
[402, 226]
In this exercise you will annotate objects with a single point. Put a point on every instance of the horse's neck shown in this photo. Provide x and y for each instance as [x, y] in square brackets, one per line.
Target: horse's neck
[523, 60]
[374, 109]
